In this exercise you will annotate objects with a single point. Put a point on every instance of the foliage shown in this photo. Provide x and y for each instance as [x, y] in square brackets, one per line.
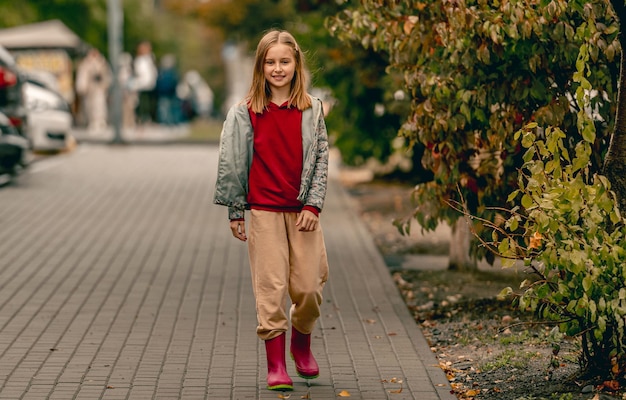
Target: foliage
[244, 20]
[477, 70]
[354, 76]
[363, 122]
[195, 46]
[89, 27]
[570, 233]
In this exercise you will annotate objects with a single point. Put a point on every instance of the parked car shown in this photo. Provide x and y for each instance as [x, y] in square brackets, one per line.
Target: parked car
[11, 92]
[13, 150]
[49, 119]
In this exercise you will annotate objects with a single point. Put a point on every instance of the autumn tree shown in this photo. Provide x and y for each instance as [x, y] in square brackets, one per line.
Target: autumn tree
[615, 162]
[477, 71]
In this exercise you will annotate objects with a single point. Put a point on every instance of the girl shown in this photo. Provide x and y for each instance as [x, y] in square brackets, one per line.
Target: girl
[274, 161]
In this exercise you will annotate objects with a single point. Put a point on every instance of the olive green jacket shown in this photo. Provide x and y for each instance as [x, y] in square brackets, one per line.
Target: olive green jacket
[235, 158]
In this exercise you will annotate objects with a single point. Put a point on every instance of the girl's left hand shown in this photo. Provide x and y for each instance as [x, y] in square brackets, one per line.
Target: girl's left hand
[307, 221]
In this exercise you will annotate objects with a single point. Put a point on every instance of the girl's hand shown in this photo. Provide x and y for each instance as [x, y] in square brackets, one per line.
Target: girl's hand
[238, 228]
[307, 221]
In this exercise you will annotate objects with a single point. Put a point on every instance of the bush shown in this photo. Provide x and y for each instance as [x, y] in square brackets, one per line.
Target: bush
[571, 235]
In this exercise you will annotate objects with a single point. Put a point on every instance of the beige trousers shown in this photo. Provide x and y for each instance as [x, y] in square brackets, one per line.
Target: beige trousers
[285, 261]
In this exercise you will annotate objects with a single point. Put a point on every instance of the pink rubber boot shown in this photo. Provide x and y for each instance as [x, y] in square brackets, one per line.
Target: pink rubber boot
[306, 366]
[277, 377]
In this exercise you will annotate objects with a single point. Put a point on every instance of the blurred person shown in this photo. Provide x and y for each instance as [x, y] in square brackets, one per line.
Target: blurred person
[143, 82]
[196, 96]
[129, 96]
[273, 161]
[166, 83]
[93, 79]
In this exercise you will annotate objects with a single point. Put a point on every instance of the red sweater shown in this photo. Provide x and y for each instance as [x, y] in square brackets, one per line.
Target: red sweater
[275, 173]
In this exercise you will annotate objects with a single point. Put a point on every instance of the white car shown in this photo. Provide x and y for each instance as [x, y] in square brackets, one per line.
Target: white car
[49, 117]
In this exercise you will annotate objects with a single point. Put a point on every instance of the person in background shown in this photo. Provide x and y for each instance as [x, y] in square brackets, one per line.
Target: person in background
[273, 160]
[196, 96]
[129, 96]
[93, 79]
[143, 82]
[167, 102]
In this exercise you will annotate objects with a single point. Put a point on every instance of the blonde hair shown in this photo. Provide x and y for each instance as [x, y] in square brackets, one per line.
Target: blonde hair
[259, 96]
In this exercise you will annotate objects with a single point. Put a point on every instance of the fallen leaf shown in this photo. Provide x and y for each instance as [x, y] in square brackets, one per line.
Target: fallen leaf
[392, 334]
[370, 321]
[306, 396]
[612, 385]
[396, 391]
[284, 396]
[344, 393]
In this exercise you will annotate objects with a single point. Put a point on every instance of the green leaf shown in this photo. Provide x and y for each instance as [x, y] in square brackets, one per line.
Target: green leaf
[587, 283]
[512, 195]
[504, 293]
[503, 247]
[466, 112]
[527, 201]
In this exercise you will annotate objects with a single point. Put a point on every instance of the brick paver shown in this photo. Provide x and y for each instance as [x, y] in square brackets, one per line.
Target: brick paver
[119, 279]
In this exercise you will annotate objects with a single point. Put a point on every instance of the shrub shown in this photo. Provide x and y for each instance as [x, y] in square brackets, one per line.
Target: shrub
[570, 233]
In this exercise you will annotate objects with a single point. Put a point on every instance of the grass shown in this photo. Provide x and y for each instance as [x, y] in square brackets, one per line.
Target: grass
[509, 358]
[202, 130]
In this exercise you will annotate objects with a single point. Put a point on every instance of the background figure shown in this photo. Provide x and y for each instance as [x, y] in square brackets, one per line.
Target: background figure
[196, 96]
[143, 82]
[167, 101]
[129, 96]
[93, 79]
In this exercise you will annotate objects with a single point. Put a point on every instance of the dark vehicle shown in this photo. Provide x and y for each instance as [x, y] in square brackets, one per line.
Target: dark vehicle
[12, 92]
[13, 150]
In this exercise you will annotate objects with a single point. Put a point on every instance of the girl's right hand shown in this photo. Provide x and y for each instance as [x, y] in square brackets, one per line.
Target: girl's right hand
[238, 228]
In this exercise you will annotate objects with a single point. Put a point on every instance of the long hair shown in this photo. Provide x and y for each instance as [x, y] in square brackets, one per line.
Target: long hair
[259, 96]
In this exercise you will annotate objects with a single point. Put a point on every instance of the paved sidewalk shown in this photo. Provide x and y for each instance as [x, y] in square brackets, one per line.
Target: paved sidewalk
[119, 279]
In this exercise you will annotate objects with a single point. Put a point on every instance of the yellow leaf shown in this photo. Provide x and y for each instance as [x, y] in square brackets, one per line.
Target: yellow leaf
[396, 391]
[408, 27]
[535, 241]
[344, 393]
[284, 396]
[472, 392]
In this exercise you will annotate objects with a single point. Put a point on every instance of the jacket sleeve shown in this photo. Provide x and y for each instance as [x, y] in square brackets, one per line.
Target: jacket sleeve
[231, 186]
[317, 191]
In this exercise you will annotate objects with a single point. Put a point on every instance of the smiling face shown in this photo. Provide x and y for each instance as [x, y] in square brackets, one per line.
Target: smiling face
[279, 69]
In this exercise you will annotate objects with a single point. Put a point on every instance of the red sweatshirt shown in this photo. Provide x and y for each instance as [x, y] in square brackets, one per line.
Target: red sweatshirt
[276, 169]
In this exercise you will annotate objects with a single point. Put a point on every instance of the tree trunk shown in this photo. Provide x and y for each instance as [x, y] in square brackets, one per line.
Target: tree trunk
[614, 167]
[460, 259]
